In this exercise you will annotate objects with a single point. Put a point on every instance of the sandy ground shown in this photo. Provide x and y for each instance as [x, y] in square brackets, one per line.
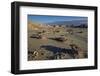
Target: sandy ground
[48, 49]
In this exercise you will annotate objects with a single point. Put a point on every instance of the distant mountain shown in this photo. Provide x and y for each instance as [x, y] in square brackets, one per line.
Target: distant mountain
[73, 22]
[33, 26]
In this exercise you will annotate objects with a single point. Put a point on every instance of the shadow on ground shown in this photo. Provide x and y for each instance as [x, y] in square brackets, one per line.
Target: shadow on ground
[55, 50]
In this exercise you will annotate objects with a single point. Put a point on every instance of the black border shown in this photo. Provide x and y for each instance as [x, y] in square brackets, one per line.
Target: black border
[15, 34]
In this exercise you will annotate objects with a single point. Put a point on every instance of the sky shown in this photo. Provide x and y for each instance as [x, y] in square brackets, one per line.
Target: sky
[50, 19]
